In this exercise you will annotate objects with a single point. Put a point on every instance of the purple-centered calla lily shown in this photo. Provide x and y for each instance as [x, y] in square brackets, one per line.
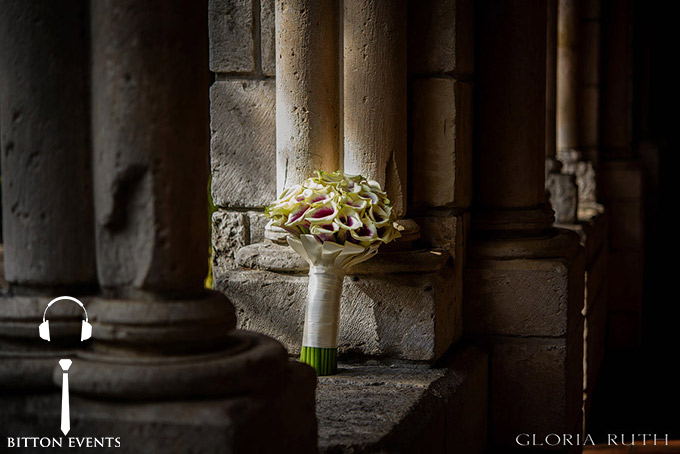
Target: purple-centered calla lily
[336, 207]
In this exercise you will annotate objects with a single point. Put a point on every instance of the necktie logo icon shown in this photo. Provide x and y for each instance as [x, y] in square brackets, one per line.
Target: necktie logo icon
[65, 364]
[65, 405]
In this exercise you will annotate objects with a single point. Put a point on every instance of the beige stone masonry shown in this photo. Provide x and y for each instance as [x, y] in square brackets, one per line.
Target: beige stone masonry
[442, 142]
[307, 92]
[375, 94]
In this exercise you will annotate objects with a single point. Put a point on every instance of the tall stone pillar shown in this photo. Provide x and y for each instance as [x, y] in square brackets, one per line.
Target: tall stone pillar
[158, 334]
[621, 178]
[375, 94]
[561, 188]
[47, 185]
[307, 90]
[523, 287]
[572, 118]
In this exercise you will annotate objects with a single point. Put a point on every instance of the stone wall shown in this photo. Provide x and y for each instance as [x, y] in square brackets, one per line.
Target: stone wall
[242, 122]
[439, 157]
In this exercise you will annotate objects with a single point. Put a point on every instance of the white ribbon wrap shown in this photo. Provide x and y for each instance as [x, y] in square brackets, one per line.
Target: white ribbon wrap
[328, 263]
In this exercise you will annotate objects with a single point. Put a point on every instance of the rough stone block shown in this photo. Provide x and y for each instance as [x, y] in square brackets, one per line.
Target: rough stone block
[531, 377]
[230, 24]
[441, 36]
[367, 405]
[405, 316]
[627, 225]
[446, 232]
[256, 225]
[285, 412]
[521, 297]
[268, 37]
[229, 233]
[243, 143]
[441, 117]
[563, 196]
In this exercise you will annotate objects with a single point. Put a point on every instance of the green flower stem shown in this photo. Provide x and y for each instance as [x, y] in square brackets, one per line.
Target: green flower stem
[323, 360]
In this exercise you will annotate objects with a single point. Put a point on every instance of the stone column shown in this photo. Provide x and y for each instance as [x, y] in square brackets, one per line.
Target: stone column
[307, 89]
[621, 179]
[509, 175]
[571, 121]
[47, 185]
[375, 94]
[561, 188]
[158, 334]
[523, 289]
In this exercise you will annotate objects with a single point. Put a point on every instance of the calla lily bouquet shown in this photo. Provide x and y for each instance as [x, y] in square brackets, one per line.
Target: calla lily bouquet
[335, 221]
[336, 207]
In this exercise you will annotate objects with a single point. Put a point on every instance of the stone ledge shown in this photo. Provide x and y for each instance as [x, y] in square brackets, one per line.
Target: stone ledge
[405, 407]
[591, 227]
[407, 316]
[269, 256]
[245, 423]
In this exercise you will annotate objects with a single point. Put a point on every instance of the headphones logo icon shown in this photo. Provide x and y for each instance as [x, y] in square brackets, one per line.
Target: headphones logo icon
[44, 328]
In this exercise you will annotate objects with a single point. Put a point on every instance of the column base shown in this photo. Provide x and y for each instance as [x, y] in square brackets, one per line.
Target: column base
[279, 418]
[26, 360]
[523, 301]
[249, 364]
[529, 221]
[402, 303]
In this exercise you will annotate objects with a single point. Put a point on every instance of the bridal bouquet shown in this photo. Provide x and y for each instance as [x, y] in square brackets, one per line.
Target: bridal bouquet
[335, 221]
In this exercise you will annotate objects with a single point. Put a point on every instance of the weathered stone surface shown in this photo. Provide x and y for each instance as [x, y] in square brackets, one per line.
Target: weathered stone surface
[569, 69]
[230, 25]
[365, 407]
[228, 425]
[447, 232]
[510, 70]
[375, 92]
[441, 36]
[45, 142]
[563, 196]
[549, 383]
[442, 142]
[551, 89]
[229, 233]
[592, 227]
[269, 256]
[243, 146]
[307, 90]
[573, 163]
[404, 316]
[150, 111]
[256, 226]
[519, 297]
[523, 300]
[268, 37]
